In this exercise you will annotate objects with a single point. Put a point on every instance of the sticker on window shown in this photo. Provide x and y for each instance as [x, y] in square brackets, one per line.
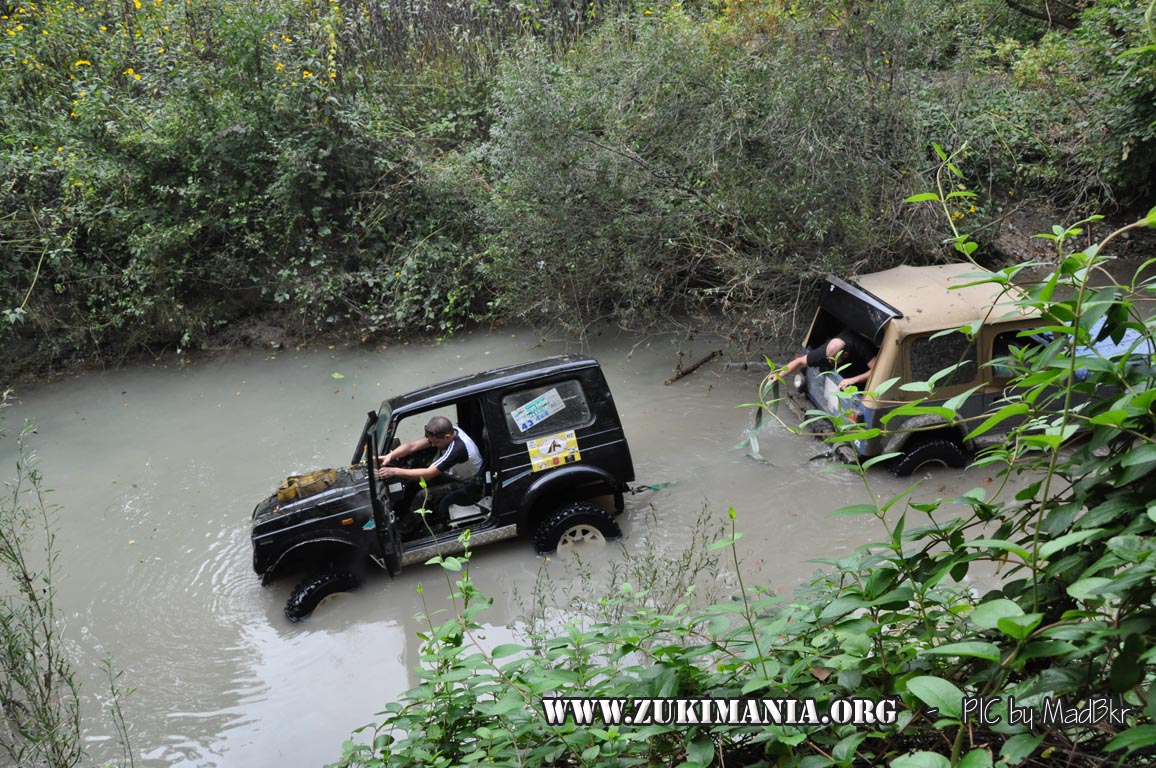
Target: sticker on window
[537, 410]
[553, 451]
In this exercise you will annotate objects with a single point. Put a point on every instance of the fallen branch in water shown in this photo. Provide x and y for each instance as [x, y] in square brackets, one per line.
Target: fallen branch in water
[679, 372]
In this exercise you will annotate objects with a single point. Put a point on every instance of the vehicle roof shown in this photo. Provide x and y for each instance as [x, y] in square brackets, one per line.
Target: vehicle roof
[476, 383]
[928, 301]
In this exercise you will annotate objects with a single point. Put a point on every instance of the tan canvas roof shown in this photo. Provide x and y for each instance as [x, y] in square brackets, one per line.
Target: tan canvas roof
[929, 303]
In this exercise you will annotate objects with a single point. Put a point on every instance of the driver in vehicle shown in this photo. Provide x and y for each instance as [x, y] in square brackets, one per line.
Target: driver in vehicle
[454, 477]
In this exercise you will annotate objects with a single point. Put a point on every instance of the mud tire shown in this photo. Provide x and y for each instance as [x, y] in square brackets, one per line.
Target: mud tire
[580, 521]
[932, 450]
[308, 594]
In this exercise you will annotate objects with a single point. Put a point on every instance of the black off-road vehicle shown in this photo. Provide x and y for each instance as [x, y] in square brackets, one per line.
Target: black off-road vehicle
[551, 440]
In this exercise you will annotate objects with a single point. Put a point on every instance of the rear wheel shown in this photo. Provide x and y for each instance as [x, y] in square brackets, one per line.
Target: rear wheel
[313, 591]
[575, 525]
[928, 451]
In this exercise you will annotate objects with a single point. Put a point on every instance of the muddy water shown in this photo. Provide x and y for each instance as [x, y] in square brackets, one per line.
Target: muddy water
[156, 469]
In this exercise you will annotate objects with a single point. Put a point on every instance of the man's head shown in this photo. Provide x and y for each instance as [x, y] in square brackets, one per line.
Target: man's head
[438, 429]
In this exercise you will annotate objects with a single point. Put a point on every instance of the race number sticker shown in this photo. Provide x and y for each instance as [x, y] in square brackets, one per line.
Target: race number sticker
[553, 451]
[537, 410]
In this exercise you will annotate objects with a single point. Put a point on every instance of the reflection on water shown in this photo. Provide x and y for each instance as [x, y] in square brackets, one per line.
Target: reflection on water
[156, 470]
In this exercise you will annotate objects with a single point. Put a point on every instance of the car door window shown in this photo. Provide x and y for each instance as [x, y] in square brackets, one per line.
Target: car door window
[544, 410]
[1009, 346]
[930, 355]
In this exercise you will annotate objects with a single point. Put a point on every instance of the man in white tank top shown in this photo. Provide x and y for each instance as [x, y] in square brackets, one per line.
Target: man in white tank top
[455, 475]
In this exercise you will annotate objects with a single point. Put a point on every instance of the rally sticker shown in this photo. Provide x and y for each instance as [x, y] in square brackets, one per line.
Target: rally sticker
[538, 410]
[553, 451]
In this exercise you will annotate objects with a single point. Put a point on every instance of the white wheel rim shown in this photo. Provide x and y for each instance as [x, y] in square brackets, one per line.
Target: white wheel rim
[333, 597]
[579, 536]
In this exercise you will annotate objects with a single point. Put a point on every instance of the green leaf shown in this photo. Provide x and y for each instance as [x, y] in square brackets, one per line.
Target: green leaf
[336, 375]
[1020, 747]
[509, 703]
[1019, 627]
[1151, 218]
[855, 510]
[1090, 588]
[1141, 455]
[937, 693]
[840, 606]
[844, 751]
[921, 197]
[987, 615]
[1138, 736]
[976, 758]
[921, 760]
[700, 751]
[975, 648]
[1008, 546]
[507, 649]
[1063, 542]
[1000, 416]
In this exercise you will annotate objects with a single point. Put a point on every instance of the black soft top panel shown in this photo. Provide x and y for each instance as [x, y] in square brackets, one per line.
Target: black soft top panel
[855, 308]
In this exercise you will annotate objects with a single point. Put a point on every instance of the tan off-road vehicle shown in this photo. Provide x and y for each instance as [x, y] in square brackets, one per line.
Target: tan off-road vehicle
[902, 312]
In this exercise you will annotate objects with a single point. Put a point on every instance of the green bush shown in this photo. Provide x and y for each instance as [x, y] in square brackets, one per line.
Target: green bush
[668, 160]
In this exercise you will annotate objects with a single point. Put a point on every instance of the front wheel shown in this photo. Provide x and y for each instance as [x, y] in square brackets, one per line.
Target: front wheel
[313, 591]
[575, 525]
[928, 451]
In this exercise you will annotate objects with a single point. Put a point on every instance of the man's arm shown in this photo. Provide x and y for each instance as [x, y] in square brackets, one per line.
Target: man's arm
[424, 473]
[791, 367]
[861, 377]
[405, 449]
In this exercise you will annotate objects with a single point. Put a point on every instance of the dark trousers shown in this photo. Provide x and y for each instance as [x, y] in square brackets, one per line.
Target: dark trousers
[441, 493]
[461, 493]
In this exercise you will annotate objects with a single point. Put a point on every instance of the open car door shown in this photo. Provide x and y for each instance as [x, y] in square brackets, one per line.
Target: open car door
[385, 521]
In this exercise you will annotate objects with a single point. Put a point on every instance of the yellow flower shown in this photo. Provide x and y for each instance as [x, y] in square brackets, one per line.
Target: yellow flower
[306, 74]
[136, 77]
[279, 67]
[160, 50]
[127, 71]
[136, 3]
[103, 28]
[60, 149]
[82, 63]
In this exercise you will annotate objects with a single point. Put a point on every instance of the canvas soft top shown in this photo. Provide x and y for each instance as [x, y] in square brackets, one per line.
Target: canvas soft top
[928, 301]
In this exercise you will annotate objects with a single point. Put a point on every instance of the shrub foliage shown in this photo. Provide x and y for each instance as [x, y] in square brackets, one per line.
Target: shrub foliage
[168, 168]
